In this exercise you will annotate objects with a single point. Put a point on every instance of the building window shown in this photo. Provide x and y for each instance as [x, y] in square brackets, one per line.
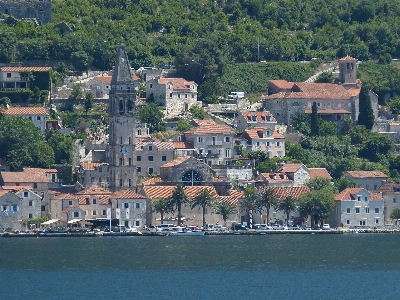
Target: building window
[347, 222]
[348, 210]
[278, 144]
[151, 85]
[227, 139]
[199, 139]
[30, 216]
[358, 198]
[267, 143]
[126, 205]
[367, 210]
[30, 203]
[26, 195]
[150, 148]
[120, 182]
[35, 185]
[377, 210]
[104, 212]
[76, 214]
[70, 202]
[137, 223]
[94, 201]
[137, 205]
[170, 95]
[164, 158]
[151, 170]
[43, 208]
[130, 182]
[375, 187]
[179, 95]
[8, 74]
[138, 158]
[394, 200]
[227, 153]
[362, 223]
[376, 221]
[357, 210]
[94, 213]
[15, 208]
[366, 198]
[130, 161]
[150, 158]
[139, 169]
[38, 118]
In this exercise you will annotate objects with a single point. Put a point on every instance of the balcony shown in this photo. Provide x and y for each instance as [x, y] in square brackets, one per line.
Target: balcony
[14, 79]
[216, 143]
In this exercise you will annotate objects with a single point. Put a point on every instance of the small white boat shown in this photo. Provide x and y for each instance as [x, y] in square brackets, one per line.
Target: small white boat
[186, 233]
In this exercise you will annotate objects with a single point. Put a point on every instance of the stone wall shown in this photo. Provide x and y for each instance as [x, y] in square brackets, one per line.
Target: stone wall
[28, 9]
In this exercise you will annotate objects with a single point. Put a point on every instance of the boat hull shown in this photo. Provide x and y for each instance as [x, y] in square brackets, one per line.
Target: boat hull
[186, 233]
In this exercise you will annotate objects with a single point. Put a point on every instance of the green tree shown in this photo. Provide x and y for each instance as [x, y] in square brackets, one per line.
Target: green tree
[225, 209]
[197, 112]
[184, 125]
[344, 182]
[325, 77]
[318, 204]
[152, 115]
[204, 199]
[89, 99]
[314, 120]
[62, 146]
[395, 214]
[162, 206]
[376, 146]
[22, 144]
[267, 198]
[320, 183]
[81, 60]
[366, 114]
[178, 199]
[394, 105]
[287, 205]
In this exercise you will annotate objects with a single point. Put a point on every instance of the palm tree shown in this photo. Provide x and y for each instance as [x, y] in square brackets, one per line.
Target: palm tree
[287, 205]
[225, 209]
[179, 197]
[162, 206]
[249, 202]
[203, 199]
[267, 199]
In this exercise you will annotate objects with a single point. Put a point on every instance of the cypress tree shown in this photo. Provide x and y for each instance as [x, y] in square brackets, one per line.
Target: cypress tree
[366, 114]
[314, 120]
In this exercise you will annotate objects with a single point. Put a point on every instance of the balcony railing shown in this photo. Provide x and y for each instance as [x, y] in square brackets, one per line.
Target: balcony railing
[216, 143]
[14, 79]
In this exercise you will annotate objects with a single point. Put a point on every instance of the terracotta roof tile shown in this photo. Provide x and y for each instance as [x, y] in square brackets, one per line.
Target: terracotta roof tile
[159, 145]
[40, 170]
[367, 174]
[15, 188]
[182, 145]
[69, 208]
[236, 193]
[25, 69]
[210, 127]
[179, 83]
[273, 177]
[232, 200]
[92, 166]
[157, 192]
[347, 194]
[25, 111]
[104, 79]
[375, 197]
[294, 191]
[64, 197]
[347, 58]
[24, 177]
[290, 168]
[94, 190]
[319, 172]
[389, 188]
[176, 161]
[126, 194]
[151, 181]
[282, 84]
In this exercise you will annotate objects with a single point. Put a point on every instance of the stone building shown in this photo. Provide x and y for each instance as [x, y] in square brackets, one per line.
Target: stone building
[132, 208]
[213, 142]
[357, 207]
[61, 201]
[335, 102]
[27, 9]
[390, 192]
[10, 214]
[31, 204]
[248, 119]
[265, 139]
[95, 201]
[369, 180]
[121, 148]
[176, 95]
[150, 156]
[89, 174]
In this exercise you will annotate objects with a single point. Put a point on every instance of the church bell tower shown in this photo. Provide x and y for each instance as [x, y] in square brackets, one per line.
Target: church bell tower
[122, 120]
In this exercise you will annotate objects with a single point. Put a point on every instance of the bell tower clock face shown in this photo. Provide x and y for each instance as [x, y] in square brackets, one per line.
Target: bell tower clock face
[125, 150]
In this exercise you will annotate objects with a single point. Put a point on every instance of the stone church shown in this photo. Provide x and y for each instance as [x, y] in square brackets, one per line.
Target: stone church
[122, 120]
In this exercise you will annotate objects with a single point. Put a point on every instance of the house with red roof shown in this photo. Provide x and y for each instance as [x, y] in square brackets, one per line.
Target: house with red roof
[357, 207]
[176, 95]
[390, 192]
[369, 180]
[131, 209]
[37, 114]
[264, 139]
[17, 78]
[10, 211]
[248, 119]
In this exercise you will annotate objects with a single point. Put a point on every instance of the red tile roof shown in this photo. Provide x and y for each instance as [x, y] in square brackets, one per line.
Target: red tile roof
[24, 177]
[210, 127]
[126, 194]
[94, 190]
[182, 145]
[282, 84]
[236, 193]
[176, 161]
[25, 111]
[151, 181]
[157, 192]
[103, 200]
[40, 170]
[367, 174]
[232, 200]
[25, 69]
[179, 83]
[319, 172]
[347, 58]
[350, 194]
[92, 166]
[290, 168]
[69, 208]
[159, 145]
[389, 188]
[294, 191]
[260, 116]
[104, 79]
[64, 197]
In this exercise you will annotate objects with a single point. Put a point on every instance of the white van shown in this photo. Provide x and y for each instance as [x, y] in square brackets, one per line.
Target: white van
[165, 227]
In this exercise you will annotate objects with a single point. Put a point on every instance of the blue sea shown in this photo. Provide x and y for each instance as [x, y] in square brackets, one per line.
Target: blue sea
[278, 266]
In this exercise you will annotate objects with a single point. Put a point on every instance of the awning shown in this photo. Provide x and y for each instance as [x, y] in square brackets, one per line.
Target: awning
[74, 221]
[50, 221]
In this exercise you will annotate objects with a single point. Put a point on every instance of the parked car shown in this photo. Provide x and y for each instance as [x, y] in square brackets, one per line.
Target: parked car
[153, 229]
[219, 228]
[262, 227]
[279, 227]
[294, 227]
[131, 229]
[166, 227]
[236, 226]
[316, 227]
[326, 227]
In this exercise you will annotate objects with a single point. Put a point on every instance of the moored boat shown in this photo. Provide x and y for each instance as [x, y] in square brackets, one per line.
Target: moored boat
[186, 232]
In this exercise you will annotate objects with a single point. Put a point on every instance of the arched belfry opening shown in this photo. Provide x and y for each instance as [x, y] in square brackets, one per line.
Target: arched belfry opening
[192, 177]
